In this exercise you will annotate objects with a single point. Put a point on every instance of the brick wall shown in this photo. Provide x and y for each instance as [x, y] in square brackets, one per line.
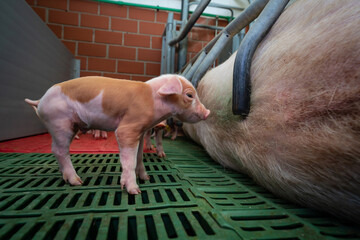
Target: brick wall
[112, 40]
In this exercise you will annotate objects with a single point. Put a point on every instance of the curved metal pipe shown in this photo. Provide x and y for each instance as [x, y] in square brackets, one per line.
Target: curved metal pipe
[216, 5]
[244, 19]
[194, 17]
[242, 64]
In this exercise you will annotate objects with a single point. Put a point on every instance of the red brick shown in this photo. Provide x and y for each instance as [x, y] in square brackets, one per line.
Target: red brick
[194, 46]
[86, 74]
[117, 75]
[70, 45]
[141, 78]
[113, 10]
[83, 62]
[68, 18]
[130, 67]
[84, 6]
[203, 20]
[161, 16]
[142, 14]
[81, 34]
[100, 64]
[108, 37]
[41, 12]
[90, 49]
[124, 25]
[223, 23]
[58, 4]
[152, 28]
[136, 40]
[156, 42]
[57, 29]
[31, 2]
[149, 55]
[211, 21]
[177, 16]
[94, 21]
[122, 52]
[153, 69]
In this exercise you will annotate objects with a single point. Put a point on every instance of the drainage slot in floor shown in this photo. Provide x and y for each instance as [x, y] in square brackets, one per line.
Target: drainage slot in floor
[169, 226]
[103, 198]
[58, 201]
[132, 231]
[204, 224]
[94, 228]
[31, 233]
[13, 230]
[117, 198]
[54, 229]
[74, 229]
[74, 200]
[186, 224]
[44, 201]
[11, 202]
[150, 228]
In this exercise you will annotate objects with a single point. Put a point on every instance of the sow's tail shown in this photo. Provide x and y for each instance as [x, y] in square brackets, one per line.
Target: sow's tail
[34, 104]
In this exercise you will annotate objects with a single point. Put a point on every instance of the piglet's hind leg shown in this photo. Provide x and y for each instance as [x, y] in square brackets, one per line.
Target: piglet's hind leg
[62, 135]
[140, 168]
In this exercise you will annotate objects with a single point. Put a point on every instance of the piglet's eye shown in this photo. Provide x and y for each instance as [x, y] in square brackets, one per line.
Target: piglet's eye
[189, 95]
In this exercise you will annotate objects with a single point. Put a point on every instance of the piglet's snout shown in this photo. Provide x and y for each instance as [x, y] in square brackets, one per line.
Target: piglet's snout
[206, 114]
[203, 113]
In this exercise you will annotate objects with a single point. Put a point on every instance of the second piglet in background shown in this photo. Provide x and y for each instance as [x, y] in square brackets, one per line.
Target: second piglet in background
[128, 107]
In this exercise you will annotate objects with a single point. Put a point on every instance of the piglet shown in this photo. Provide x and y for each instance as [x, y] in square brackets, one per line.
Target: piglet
[158, 132]
[127, 107]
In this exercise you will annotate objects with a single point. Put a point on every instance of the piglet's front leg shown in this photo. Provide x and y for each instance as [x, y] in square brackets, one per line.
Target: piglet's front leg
[128, 141]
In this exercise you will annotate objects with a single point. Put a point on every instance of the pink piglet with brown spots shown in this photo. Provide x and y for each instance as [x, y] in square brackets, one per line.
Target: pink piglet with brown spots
[129, 108]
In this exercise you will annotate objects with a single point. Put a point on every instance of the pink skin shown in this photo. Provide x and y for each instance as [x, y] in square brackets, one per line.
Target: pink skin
[96, 134]
[99, 134]
[64, 116]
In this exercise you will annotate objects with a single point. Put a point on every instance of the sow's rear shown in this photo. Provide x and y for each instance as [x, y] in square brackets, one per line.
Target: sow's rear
[301, 139]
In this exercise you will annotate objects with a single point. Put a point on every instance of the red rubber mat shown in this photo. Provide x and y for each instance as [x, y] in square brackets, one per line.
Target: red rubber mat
[42, 144]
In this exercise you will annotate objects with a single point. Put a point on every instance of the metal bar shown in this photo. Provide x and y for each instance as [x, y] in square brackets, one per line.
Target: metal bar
[194, 17]
[169, 34]
[246, 17]
[184, 43]
[201, 25]
[234, 27]
[216, 5]
[210, 58]
[163, 53]
[76, 68]
[186, 69]
[241, 77]
[196, 65]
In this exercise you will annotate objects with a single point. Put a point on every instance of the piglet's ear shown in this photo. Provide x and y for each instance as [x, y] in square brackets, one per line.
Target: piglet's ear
[171, 86]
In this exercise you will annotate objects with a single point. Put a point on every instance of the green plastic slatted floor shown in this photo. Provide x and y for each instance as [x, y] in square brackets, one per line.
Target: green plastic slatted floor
[189, 196]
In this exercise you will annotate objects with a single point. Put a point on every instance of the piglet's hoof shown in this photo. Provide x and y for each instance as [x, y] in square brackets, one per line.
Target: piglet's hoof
[161, 154]
[149, 148]
[131, 187]
[144, 177]
[72, 178]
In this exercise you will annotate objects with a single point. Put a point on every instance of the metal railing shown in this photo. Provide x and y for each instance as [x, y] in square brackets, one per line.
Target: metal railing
[268, 12]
